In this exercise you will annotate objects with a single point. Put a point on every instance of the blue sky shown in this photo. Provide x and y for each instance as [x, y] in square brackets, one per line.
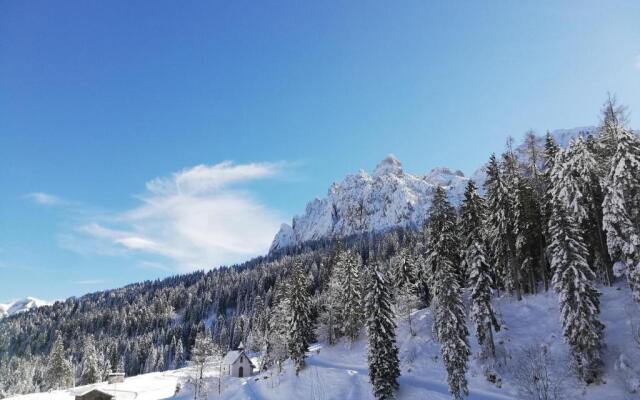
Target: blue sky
[142, 139]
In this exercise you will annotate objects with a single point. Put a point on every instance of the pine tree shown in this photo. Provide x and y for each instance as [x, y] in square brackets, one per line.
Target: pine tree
[59, 371]
[330, 304]
[384, 366]
[259, 323]
[480, 282]
[572, 279]
[614, 120]
[202, 354]
[299, 317]
[551, 149]
[584, 173]
[350, 295]
[500, 199]
[405, 285]
[621, 206]
[113, 356]
[179, 359]
[223, 336]
[151, 361]
[90, 363]
[449, 313]
[276, 346]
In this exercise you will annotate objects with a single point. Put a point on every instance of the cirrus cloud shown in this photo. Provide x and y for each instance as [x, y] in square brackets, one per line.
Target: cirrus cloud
[45, 199]
[199, 217]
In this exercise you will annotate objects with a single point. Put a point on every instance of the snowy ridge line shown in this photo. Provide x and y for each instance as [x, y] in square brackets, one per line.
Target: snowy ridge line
[21, 305]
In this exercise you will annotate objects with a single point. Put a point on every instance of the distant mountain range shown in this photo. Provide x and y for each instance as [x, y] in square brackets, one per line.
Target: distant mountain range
[21, 305]
[387, 198]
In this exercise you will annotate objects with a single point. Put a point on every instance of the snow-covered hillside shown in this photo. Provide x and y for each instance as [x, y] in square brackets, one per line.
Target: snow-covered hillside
[21, 305]
[340, 372]
[387, 198]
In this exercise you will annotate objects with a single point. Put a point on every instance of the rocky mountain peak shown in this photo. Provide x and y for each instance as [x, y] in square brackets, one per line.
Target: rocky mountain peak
[388, 166]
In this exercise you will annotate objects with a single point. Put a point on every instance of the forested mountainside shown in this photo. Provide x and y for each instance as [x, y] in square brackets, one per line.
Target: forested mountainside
[152, 326]
[566, 219]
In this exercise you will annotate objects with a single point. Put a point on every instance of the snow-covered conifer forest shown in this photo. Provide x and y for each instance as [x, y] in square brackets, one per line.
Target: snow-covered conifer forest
[522, 282]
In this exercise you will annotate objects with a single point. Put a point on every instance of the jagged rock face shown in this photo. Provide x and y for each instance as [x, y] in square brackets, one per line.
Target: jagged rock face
[386, 199]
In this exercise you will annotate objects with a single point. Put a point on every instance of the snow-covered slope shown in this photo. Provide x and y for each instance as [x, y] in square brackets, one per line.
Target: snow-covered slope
[340, 372]
[21, 305]
[387, 198]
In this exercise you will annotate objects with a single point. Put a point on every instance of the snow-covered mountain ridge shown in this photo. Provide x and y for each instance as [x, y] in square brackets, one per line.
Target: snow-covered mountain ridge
[384, 199]
[387, 198]
[21, 305]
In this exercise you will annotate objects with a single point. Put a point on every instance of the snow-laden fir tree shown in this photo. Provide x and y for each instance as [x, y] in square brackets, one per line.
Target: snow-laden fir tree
[384, 366]
[528, 232]
[584, 173]
[151, 360]
[299, 316]
[330, 309]
[202, 355]
[90, 363]
[479, 271]
[259, 323]
[448, 309]
[614, 120]
[573, 277]
[179, 358]
[222, 335]
[59, 371]
[350, 294]
[275, 348]
[500, 202]
[621, 206]
[405, 277]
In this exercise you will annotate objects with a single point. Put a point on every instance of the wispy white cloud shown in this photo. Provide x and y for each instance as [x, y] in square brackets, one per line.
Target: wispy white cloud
[637, 62]
[195, 218]
[207, 178]
[145, 264]
[45, 199]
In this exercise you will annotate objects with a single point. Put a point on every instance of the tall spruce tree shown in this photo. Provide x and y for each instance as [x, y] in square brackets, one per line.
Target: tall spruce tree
[350, 298]
[59, 371]
[90, 364]
[179, 359]
[299, 317]
[529, 222]
[202, 354]
[384, 366]
[480, 282]
[621, 206]
[573, 277]
[528, 233]
[584, 173]
[500, 202]
[448, 309]
[614, 119]
[405, 279]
